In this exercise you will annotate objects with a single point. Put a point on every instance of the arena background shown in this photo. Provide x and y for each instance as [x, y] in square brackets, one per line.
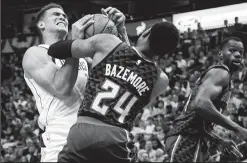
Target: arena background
[197, 50]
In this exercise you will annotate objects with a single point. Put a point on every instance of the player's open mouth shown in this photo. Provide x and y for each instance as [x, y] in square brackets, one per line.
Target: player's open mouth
[61, 23]
[236, 62]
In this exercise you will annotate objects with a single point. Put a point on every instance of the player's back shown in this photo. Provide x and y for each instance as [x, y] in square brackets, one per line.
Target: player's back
[119, 87]
[62, 110]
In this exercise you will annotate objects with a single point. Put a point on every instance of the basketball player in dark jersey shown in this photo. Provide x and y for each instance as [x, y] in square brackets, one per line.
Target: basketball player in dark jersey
[123, 80]
[191, 135]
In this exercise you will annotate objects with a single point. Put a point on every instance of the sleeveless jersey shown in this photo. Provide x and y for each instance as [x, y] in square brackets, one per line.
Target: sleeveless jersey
[55, 110]
[119, 87]
[191, 123]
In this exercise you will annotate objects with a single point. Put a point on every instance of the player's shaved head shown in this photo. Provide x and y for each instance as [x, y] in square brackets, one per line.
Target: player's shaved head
[225, 41]
[164, 38]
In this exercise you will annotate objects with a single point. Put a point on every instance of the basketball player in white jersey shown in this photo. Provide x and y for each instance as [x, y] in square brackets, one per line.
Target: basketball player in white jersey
[57, 85]
[53, 82]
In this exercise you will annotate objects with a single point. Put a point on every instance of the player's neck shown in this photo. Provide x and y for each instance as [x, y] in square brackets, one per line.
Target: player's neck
[229, 67]
[52, 38]
[142, 53]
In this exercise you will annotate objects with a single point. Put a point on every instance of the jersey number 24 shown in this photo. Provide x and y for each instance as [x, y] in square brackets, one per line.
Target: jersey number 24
[111, 92]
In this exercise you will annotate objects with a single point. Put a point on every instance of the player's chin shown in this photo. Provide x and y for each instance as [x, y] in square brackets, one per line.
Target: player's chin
[63, 30]
[236, 66]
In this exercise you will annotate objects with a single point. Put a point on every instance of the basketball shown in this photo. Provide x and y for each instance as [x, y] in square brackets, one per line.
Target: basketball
[102, 24]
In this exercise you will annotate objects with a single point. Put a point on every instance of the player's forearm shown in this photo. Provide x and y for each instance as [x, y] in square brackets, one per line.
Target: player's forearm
[124, 36]
[215, 138]
[65, 77]
[207, 110]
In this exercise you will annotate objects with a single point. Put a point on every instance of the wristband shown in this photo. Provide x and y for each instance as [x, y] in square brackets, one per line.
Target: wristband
[61, 49]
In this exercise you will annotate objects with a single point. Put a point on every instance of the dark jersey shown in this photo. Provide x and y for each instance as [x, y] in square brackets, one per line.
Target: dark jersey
[119, 87]
[193, 124]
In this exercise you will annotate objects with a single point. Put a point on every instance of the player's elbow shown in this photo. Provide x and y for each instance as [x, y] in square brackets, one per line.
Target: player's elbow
[62, 91]
[200, 105]
[66, 92]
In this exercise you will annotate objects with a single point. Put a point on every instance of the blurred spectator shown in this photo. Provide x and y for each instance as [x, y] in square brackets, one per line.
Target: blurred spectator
[143, 156]
[10, 30]
[225, 31]
[160, 155]
[149, 126]
[189, 33]
[180, 61]
[202, 58]
[202, 35]
[194, 34]
[199, 27]
[185, 44]
[156, 144]
[225, 23]
[33, 28]
[237, 26]
[195, 47]
[150, 151]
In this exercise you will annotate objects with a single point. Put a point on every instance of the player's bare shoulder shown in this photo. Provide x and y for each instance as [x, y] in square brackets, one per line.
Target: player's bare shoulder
[34, 57]
[218, 76]
[35, 53]
[106, 42]
[160, 85]
[163, 76]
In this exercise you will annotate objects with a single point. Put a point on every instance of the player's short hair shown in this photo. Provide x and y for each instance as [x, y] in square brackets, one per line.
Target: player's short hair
[163, 38]
[225, 41]
[42, 11]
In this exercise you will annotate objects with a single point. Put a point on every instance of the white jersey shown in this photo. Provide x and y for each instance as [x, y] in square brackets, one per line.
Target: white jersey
[59, 111]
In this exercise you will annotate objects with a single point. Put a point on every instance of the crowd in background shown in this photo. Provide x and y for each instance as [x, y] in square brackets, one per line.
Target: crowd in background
[196, 52]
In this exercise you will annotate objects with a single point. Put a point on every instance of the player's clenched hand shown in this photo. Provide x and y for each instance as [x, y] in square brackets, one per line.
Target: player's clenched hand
[229, 147]
[116, 16]
[79, 27]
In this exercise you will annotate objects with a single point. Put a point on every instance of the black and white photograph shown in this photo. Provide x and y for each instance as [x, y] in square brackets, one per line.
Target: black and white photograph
[123, 81]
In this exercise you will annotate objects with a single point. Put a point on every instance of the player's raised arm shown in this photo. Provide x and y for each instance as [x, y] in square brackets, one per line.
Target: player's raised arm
[101, 43]
[211, 87]
[119, 19]
[39, 66]
[78, 48]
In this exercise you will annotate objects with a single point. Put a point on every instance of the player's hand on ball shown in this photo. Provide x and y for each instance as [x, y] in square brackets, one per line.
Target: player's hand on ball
[229, 147]
[80, 25]
[116, 16]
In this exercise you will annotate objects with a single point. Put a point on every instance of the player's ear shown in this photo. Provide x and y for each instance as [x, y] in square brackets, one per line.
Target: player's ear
[41, 25]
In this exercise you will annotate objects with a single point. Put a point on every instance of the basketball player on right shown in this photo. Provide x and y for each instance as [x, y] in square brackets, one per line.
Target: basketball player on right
[192, 131]
[123, 80]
